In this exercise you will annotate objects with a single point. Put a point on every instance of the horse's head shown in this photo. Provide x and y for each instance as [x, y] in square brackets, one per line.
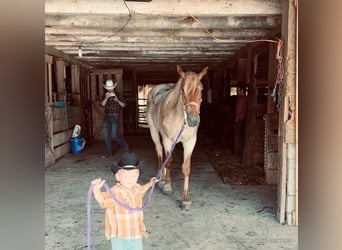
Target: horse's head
[192, 94]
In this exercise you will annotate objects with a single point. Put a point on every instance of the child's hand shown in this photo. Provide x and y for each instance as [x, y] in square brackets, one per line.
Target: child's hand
[154, 180]
[98, 182]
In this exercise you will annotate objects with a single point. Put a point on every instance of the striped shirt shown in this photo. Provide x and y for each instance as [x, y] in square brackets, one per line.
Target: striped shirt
[119, 221]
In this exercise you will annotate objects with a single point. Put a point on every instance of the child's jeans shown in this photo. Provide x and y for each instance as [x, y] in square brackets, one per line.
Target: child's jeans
[126, 244]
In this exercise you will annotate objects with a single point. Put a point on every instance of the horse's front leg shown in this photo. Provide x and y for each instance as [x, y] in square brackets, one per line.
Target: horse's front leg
[188, 147]
[186, 203]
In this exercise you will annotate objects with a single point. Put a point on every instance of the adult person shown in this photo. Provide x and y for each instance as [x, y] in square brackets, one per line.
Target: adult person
[112, 104]
[240, 117]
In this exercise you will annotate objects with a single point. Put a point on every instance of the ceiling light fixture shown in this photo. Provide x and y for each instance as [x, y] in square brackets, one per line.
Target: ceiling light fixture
[79, 51]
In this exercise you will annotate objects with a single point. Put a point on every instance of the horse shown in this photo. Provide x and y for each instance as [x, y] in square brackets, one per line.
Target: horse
[169, 107]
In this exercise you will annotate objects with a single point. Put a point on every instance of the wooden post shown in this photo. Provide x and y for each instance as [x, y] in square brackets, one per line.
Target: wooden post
[272, 122]
[288, 130]
[92, 89]
[248, 149]
[60, 77]
[49, 150]
[296, 117]
[48, 78]
[101, 89]
[118, 79]
[75, 84]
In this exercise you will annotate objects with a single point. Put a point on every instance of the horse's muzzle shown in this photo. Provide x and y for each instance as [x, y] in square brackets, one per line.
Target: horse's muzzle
[193, 121]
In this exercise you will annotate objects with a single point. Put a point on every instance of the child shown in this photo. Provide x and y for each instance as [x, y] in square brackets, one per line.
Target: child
[124, 227]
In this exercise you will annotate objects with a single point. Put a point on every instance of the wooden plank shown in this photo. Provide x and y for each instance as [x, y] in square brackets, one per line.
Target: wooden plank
[75, 79]
[101, 89]
[46, 85]
[98, 113]
[271, 176]
[50, 83]
[62, 137]
[272, 160]
[272, 76]
[249, 64]
[272, 142]
[60, 80]
[59, 113]
[260, 109]
[50, 160]
[59, 125]
[106, 71]
[296, 91]
[48, 78]
[49, 132]
[58, 53]
[92, 88]
[48, 59]
[242, 66]
[167, 7]
[62, 150]
[75, 84]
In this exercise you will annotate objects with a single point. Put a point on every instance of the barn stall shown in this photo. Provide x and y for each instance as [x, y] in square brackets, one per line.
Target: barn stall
[139, 43]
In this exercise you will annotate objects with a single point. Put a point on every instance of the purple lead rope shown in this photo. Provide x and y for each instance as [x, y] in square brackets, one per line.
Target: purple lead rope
[118, 201]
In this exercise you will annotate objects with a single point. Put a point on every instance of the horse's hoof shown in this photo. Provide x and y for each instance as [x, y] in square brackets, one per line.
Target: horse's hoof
[167, 189]
[161, 184]
[186, 205]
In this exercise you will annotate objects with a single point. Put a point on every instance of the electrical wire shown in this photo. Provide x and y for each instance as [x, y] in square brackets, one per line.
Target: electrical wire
[114, 33]
[231, 40]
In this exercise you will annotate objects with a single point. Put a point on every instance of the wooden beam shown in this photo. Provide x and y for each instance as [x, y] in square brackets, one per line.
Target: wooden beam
[103, 22]
[167, 7]
[57, 53]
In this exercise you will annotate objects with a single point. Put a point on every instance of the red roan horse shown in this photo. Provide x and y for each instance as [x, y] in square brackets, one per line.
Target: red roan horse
[169, 107]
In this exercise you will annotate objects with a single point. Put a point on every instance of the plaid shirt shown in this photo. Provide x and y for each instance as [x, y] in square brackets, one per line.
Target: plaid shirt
[121, 222]
[112, 107]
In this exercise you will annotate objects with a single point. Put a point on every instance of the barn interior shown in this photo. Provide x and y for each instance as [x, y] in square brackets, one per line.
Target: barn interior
[139, 44]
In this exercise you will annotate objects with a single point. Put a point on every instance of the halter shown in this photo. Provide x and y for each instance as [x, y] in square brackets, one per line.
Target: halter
[189, 103]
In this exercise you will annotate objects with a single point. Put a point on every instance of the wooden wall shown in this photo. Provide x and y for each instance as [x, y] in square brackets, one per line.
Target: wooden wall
[60, 121]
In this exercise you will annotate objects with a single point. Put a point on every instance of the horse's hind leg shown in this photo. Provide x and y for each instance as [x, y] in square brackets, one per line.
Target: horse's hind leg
[159, 151]
[167, 189]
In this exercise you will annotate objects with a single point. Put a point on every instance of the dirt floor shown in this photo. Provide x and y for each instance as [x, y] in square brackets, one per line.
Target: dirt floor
[229, 210]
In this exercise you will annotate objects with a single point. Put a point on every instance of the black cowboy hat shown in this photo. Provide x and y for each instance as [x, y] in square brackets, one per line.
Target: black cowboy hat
[128, 161]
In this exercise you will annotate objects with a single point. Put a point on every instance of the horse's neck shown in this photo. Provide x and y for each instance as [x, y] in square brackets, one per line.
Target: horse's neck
[174, 95]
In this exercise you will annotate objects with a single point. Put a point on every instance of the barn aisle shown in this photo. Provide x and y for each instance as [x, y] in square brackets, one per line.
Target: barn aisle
[222, 216]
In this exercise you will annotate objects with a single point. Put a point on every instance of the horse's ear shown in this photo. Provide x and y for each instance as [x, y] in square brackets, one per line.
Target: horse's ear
[180, 71]
[204, 71]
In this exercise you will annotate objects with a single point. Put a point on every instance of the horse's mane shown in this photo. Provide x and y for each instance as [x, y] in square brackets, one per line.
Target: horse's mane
[173, 94]
[191, 77]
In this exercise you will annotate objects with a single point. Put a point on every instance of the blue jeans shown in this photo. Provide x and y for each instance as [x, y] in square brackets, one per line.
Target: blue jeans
[126, 244]
[111, 129]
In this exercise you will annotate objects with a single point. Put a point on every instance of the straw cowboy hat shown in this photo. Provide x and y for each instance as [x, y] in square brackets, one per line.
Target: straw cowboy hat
[109, 84]
[128, 161]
